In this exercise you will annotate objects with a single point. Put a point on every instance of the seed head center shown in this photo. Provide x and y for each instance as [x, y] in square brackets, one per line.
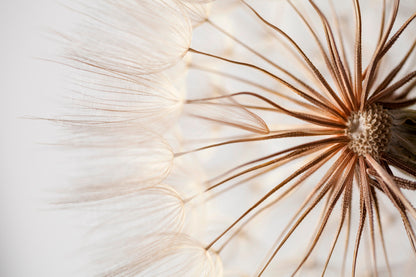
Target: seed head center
[369, 131]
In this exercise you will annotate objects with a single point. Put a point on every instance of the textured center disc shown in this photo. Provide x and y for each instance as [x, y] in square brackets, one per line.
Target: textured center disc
[369, 131]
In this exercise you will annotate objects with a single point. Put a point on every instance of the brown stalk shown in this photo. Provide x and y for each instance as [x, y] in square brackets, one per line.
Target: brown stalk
[254, 84]
[240, 126]
[280, 80]
[341, 78]
[303, 84]
[295, 153]
[306, 146]
[398, 104]
[382, 21]
[370, 71]
[276, 188]
[316, 72]
[327, 185]
[347, 240]
[406, 91]
[388, 180]
[394, 38]
[346, 206]
[275, 201]
[264, 171]
[323, 121]
[358, 54]
[369, 208]
[344, 179]
[402, 210]
[391, 89]
[261, 138]
[380, 228]
[329, 64]
[395, 70]
[397, 198]
[327, 176]
[353, 97]
[363, 214]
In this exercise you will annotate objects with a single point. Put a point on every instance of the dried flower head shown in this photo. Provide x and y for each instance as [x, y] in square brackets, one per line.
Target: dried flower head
[213, 156]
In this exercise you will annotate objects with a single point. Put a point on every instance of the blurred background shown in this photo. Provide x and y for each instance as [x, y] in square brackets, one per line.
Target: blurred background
[35, 238]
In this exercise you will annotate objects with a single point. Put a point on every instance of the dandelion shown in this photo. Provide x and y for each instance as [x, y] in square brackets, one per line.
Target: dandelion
[237, 138]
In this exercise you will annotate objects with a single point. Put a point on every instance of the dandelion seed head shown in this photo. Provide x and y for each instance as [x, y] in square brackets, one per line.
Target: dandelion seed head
[369, 131]
[256, 108]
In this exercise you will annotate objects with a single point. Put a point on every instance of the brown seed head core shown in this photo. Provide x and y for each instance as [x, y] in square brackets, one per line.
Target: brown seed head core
[369, 131]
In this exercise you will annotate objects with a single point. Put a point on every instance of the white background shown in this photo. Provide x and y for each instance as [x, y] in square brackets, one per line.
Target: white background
[35, 238]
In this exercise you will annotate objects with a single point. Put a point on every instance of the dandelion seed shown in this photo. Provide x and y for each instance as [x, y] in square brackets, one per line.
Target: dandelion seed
[288, 154]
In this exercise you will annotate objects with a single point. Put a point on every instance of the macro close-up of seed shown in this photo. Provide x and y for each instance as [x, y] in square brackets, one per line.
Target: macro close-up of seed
[239, 137]
[245, 138]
